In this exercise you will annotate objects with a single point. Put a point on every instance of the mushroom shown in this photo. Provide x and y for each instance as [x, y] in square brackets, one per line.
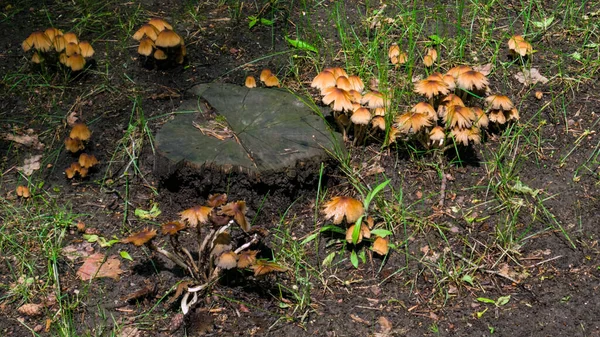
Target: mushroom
[145, 237]
[471, 81]
[381, 246]
[80, 131]
[160, 24]
[437, 136]
[360, 118]
[216, 200]
[72, 48]
[411, 122]
[37, 40]
[373, 100]
[456, 71]
[339, 207]
[250, 82]
[425, 108]
[70, 38]
[393, 53]
[172, 227]
[323, 80]
[264, 74]
[37, 58]
[500, 104]
[427, 60]
[518, 46]
[51, 33]
[227, 260]
[86, 49]
[238, 211]
[340, 98]
[337, 72]
[160, 55]
[168, 39]
[378, 122]
[196, 215]
[23, 192]
[363, 233]
[59, 43]
[146, 46]
[459, 116]
[431, 88]
[246, 258]
[146, 30]
[343, 83]
[356, 83]
[87, 160]
[76, 62]
[272, 81]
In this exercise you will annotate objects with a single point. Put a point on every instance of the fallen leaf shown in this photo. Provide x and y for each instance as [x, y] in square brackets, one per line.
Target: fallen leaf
[75, 251]
[30, 309]
[93, 267]
[529, 77]
[30, 164]
[29, 139]
[485, 69]
[359, 320]
[385, 325]
[72, 118]
[129, 331]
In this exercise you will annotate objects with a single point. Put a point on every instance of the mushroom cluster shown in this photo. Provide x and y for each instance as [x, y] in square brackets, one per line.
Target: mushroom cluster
[353, 107]
[446, 114]
[160, 42]
[340, 208]
[519, 47]
[78, 137]
[53, 45]
[217, 247]
[267, 78]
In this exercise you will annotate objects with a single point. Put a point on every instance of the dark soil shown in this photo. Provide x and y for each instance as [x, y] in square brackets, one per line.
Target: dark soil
[557, 298]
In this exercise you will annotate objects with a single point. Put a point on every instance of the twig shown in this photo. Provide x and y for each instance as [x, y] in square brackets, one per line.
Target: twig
[481, 268]
[542, 262]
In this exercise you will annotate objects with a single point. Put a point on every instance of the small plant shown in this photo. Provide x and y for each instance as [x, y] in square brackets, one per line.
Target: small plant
[159, 42]
[218, 246]
[52, 46]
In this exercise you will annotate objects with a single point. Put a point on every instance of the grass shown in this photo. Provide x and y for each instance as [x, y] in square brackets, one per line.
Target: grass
[492, 212]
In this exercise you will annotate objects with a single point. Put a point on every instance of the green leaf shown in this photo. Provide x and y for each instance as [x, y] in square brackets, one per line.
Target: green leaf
[90, 237]
[309, 238]
[363, 256]
[125, 255]
[545, 23]
[266, 22]
[502, 300]
[486, 300]
[301, 45]
[104, 243]
[252, 21]
[436, 39]
[374, 192]
[356, 230]
[381, 232]
[480, 313]
[328, 259]
[153, 213]
[354, 259]
[333, 228]
[468, 279]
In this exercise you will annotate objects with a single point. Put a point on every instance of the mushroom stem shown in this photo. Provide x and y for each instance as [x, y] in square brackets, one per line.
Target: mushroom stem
[171, 257]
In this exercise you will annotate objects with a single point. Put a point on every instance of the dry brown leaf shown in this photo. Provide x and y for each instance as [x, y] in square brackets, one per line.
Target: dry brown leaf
[359, 320]
[77, 250]
[93, 267]
[30, 164]
[485, 69]
[129, 331]
[29, 140]
[385, 327]
[30, 309]
[529, 77]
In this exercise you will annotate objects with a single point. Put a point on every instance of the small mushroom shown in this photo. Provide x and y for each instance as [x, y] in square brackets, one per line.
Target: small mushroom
[340, 207]
[23, 192]
[80, 131]
[250, 82]
[196, 215]
[87, 160]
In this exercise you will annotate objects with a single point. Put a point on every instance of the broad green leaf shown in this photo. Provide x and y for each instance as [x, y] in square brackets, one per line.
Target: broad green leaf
[363, 256]
[502, 300]
[266, 22]
[309, 238]
[104, 243]
[436, 39]
[356, 230]
[301, 45]
[374, 192]
[328, 259]
[468, 279]
[153, 213]
[545, 23]
[354, 259]
[486, 300]
[90, 237]
[125, 255]
[381, 232]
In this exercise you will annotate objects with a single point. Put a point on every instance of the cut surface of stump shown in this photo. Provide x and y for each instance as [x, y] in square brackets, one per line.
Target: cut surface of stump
[263, 133]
